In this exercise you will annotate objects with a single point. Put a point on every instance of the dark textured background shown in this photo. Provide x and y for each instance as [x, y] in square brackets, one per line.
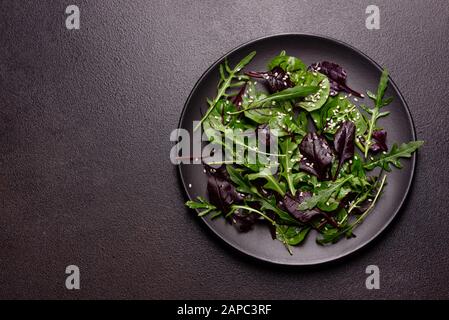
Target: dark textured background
[85, 176]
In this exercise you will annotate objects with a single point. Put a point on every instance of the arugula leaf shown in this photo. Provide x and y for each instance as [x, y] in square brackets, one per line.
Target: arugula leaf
[202, 206]
[405, 150]
[334, 235]
[375, 113]
[225, 83]
[290, 150]
[272, 183]
[323, 194]
[269, 203]
[242, 182]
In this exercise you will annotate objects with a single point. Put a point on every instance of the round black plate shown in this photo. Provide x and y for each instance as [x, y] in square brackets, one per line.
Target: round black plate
[363, 74]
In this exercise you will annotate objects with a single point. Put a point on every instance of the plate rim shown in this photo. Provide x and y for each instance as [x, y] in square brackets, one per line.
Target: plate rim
[412, 159]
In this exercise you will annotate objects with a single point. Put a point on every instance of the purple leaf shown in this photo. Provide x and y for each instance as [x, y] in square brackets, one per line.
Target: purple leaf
[379, 138]
[276, 79]
[244, 221]
[344, 143]
[317, 156]
[237, 99]
[337, 77]
[222, 192]
[291, 204]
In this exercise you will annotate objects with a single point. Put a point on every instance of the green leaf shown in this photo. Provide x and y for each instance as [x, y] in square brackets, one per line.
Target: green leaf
[339, 109]
[379, 102]
[317, 99]
[290, 150]
[334, 234]
[287, 63]
[323, 193]
[291, 235]
[269, 203]
[287, 94]
[202, 206]
[405, 150]
[272, 183]
[244, 61]
[224, 84]
[242, 182]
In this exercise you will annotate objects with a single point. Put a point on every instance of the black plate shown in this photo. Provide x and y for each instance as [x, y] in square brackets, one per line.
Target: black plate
[363, 74]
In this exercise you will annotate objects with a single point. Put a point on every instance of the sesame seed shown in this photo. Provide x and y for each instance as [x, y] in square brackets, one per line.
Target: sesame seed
[190, 185]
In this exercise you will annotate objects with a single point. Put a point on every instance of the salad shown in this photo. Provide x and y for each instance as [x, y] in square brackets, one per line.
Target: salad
[332, 156]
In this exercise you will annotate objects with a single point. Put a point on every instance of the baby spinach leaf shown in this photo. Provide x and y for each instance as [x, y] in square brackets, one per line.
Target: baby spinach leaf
[287, 63]
[291, 235]
[405, 150]
[339, 109]
[317, 99]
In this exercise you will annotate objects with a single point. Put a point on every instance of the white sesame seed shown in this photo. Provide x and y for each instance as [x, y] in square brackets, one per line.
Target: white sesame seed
[190, 185]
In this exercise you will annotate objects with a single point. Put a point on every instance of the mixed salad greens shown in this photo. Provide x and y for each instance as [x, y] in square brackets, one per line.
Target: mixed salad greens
[328, 148]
